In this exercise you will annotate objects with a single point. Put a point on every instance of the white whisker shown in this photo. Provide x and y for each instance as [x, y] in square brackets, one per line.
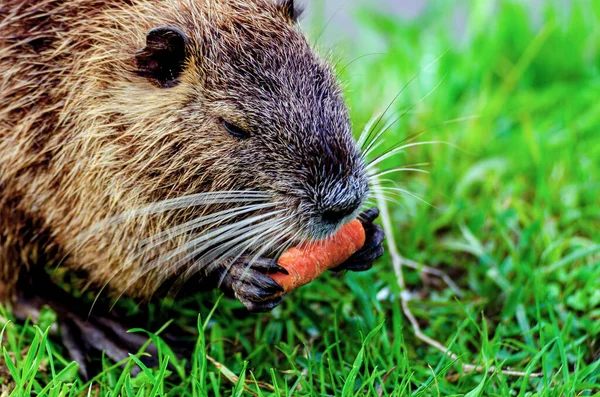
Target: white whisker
[368, 150]
[286, 244]
[397, 96]
[194, 200]
[399, 169]
[376, 142]
[245, 246]
[242, 244]
[387, 198]
[219, 235]
[267, 241]
[203, 199]
[398, 149]
[268, 245]
[363, 135]
[207, 257]
[217, 258]
[397, 190]
[215, 237]
[211, 219]
[375, 147]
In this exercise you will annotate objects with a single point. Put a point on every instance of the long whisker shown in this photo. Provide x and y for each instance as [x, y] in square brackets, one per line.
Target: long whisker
[387, 127]
[172, 269]
[399, 149]
[408, 139]
[415, 135]
[402, 90]
[219, 234]
[392, 170]
[230, 251]
[386, 198]
[342, 70]
[267, 243]
[268, 246]
[193, 200]
[363, 135]
[206, 198]
[286, 244]
[376, 189]
[247, 245]
[382, 189]
[242, 243]
[376, 142]
[216, 236]
[223, 253]
[211, 219]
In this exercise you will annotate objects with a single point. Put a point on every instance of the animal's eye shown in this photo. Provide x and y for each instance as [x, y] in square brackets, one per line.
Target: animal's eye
[234, 130]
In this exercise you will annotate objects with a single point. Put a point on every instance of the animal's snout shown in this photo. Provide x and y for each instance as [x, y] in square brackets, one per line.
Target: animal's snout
[340, 200]
[336, 213]
[334, 191]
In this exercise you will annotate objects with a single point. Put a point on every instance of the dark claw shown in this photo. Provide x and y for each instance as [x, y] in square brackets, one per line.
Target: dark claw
[267, 265]
[97, 338]
[373, 248]
[84, 335]
[262, 307]
[247, 279]
[271, 285]
[280, 269]
[368, 216]
[364, 261]
[254, 279]
[74, 344]
[261, 288]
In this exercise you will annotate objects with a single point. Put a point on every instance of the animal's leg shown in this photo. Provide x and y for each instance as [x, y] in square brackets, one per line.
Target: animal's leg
[81, 334]
[247, 279]
[4, 295]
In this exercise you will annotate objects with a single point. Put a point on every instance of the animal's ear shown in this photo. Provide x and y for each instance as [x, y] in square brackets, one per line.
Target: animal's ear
[290, 9]
[163, 58]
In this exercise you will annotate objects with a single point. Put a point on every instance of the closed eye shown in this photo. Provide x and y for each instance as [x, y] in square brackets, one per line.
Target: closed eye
[234, 130]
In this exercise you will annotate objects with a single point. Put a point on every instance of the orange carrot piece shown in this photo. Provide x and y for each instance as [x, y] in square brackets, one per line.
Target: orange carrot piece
[307, 262]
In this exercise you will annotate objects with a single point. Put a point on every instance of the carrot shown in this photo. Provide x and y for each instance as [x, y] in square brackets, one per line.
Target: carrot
[308, 261]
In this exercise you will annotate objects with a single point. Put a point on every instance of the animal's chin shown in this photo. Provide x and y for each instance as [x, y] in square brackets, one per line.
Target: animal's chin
[316, 230]
[322, 232]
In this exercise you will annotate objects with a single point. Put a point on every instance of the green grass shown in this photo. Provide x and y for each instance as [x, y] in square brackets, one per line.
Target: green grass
[514, 218]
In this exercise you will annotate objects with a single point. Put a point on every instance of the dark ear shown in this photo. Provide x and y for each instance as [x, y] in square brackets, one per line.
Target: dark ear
[163, 58]
[290, 9]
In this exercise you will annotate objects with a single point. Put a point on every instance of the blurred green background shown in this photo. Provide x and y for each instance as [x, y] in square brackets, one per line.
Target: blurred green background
[510, 210]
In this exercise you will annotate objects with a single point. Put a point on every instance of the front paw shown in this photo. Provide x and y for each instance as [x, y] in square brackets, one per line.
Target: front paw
[373, 248]
[247, 279]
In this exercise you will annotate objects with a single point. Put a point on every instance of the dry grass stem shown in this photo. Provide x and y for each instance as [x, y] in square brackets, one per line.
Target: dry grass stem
[398, 261]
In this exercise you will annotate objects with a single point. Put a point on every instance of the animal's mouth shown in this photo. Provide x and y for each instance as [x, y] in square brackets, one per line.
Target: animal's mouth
[316, 229]
[320, 210]
[221, 225]
[310, 222]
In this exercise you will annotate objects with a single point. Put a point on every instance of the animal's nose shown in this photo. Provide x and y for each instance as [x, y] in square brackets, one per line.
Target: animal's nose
[338, 212]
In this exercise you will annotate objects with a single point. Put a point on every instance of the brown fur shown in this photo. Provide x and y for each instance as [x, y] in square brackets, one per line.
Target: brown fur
[82, 137]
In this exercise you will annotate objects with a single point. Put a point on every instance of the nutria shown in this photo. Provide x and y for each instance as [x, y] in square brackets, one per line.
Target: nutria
[145, 142]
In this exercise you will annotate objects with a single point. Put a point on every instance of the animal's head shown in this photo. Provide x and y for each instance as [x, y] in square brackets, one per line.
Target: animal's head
[226, 101]
[252, 108]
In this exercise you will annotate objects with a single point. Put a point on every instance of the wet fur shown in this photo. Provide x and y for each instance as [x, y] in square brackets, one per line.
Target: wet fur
[83, 137]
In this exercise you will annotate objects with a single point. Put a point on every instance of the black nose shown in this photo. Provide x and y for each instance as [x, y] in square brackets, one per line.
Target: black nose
[338, 212]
